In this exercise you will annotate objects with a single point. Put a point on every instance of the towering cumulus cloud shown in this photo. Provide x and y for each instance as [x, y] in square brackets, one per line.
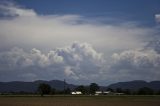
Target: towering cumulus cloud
[77, 61]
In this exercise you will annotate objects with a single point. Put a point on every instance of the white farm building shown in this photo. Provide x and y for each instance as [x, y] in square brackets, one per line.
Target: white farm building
[76, 93]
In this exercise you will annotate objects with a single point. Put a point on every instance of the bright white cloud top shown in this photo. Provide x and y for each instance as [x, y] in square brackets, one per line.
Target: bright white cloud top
[157, 17]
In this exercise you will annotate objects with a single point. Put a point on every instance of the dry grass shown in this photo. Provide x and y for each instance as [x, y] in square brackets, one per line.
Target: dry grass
[81, 101]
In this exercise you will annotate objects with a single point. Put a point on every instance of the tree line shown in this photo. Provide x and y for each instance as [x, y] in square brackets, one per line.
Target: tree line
[47, 89]
[92, 88]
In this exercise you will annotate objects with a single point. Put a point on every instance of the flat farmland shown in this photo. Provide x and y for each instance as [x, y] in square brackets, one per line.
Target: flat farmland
[80, 101]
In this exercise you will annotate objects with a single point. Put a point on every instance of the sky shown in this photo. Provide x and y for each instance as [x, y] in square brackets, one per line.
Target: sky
[82, 41]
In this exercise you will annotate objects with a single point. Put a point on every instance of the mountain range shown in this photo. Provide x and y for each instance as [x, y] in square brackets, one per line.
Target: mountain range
[17, 86]
[135, 85]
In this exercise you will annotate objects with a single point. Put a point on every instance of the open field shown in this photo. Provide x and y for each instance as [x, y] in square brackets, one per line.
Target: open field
[80, 101]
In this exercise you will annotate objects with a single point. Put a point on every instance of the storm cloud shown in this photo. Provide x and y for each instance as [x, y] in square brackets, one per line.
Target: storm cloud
[35, 46]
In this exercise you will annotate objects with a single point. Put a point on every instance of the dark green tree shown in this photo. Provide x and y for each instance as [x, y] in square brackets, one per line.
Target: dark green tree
[119, 90]
[53, 91]
[127, 91]
[82, 89]
[145, 91]
[158, 92]
[44, 89]
[93, 88]
[110, 89]
[67, 91]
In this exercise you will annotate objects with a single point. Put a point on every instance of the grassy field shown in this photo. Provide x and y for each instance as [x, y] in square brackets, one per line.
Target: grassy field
[80, 101]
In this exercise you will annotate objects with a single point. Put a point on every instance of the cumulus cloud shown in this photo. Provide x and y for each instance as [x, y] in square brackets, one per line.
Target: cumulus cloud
[138, 59]
[11, 9]
[81, 63]
[157, 17]
[137, 64]
[154, 44]
[75, 61]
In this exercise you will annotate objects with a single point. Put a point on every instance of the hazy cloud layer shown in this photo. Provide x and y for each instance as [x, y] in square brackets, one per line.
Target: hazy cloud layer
[25, 28]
